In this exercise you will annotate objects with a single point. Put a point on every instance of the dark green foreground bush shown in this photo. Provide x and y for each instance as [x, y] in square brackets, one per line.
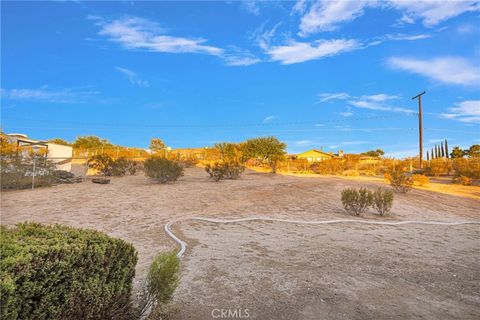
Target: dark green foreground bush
[58, 272]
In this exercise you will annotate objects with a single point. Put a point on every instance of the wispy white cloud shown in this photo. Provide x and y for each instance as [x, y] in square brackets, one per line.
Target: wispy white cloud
[251, 6]
[432, 12]
[450, 70]
[240, 57]
[408, 37]
[380, 102]
[47, 95]
[304, 142]
[353, 143]
[327, 15]
[269, 119]
[295, 52]
[465, 111]
[133, 77]
[324, 97]
[136, 33]
[299, 7]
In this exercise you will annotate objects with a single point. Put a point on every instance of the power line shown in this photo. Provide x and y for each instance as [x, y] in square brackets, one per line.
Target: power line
[130, 125]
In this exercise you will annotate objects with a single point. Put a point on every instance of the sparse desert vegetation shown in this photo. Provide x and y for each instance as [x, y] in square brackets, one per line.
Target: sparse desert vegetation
[130, 211]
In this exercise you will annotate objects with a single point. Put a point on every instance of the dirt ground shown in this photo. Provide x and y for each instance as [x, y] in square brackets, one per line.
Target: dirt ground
[279, 270]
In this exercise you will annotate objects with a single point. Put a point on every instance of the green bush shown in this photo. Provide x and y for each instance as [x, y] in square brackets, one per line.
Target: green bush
[382, 201]
[224, 170]
[356, 201]
[399, 180]
[58, 272]
[161, 282]
[163, 170]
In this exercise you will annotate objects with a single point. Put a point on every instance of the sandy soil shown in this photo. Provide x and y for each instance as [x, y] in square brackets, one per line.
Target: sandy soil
[136, 209]
[279, 271]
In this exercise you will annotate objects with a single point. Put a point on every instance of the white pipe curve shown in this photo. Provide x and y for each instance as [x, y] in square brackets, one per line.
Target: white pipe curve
[183, 244]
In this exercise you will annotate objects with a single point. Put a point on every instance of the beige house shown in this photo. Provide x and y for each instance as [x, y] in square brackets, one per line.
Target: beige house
[315, 155]
[59, 154]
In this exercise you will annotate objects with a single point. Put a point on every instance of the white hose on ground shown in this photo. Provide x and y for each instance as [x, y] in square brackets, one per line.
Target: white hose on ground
[183, 244]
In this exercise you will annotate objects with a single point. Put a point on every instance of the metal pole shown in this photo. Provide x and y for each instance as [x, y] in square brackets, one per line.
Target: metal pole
[33, 173]
[420, 127]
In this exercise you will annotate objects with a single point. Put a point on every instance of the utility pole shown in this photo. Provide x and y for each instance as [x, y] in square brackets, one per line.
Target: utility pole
[420, 129]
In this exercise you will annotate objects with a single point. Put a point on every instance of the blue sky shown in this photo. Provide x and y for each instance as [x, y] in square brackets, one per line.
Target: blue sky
[337, 75]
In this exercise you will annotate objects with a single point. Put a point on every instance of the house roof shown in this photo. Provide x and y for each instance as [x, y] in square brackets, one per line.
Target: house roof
[315, 151]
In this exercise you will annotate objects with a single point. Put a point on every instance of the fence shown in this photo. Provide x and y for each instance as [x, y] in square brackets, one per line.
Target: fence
[22, 172]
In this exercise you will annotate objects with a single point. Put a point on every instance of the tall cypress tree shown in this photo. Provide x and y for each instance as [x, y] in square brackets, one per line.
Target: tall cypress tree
[432, 155]
[428, 157]
[436, 154]
[442, 151]
[446, 149]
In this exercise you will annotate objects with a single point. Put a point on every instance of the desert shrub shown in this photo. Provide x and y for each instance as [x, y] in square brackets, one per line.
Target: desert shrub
[350, 173]
[356, 201]
[368, 172]
[107, 166]
[437, 167]
[103, 163]
[467, 167]
[399, 180]
[58, 272]
[332, 166]
[463, 180]
[224, 170]
[382, 200]
[161, 281]
[188, 163]
[133, 167]
[120, 167]
[163, 170]
[420, 180]
[16, 171]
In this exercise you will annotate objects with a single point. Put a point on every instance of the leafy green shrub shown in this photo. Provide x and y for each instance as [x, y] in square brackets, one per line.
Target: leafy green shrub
[224, 170]
[163, 170]
[420, 180]
[58, 272]
[17, 171]
[466, 181]
[161, 282]
[399, 180]
[382, 201]
[356, 201]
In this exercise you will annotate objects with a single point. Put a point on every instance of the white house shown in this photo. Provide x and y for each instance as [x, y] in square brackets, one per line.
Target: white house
[59, 154]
